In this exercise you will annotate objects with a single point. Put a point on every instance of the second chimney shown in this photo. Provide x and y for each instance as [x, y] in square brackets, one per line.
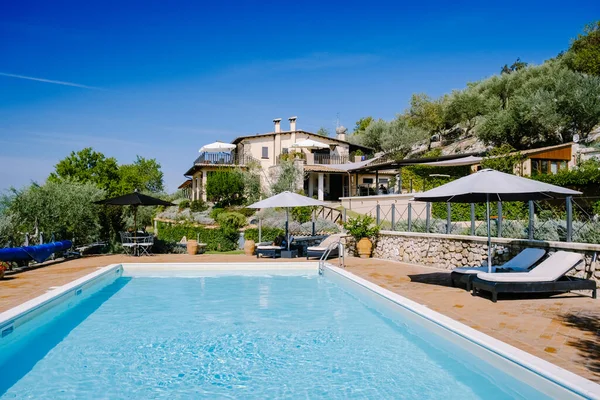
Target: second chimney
[293, 123]
[277, 122]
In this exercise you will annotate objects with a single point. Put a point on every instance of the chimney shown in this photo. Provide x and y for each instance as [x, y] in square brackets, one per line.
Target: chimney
[340, 133]
[277, 122]
[293, 123]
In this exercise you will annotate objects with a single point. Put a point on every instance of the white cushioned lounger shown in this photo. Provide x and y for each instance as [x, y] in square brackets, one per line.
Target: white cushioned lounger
[551, 269]
[520, 263]
[325, 243]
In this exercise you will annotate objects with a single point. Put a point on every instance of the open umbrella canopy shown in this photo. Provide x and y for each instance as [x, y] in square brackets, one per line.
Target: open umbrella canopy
[310, 144]
[216, 147]
[490, 185]
[287, 199]
[134, 199]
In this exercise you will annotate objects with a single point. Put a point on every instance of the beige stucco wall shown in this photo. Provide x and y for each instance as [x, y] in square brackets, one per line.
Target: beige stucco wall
[276, 143]
[253, 147]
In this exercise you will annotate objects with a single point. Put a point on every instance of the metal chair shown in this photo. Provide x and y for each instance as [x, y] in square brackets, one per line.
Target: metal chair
[129, 245]
[145, 244]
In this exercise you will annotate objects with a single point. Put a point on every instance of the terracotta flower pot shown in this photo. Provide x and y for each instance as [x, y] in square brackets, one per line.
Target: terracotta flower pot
[1, 273]
[249, 247]
[364, 248]
[192, 247]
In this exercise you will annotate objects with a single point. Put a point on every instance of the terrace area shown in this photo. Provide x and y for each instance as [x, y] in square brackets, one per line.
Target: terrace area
[563, 329]
[224, 159]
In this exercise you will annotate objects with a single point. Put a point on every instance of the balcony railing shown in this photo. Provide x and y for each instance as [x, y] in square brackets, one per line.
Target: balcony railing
[330, 159]
[290, 157]
[224, 159]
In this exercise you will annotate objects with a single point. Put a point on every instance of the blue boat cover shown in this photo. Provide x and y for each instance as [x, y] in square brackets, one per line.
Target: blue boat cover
[38, 253]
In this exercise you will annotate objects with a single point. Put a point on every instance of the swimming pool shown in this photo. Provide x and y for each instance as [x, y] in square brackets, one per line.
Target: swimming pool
[214, 331]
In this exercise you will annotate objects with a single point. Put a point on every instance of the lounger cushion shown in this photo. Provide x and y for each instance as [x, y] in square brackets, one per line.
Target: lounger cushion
[477, 270]
[269, 247]
[316, 248]
[520, 263]
[551, 269]
[329, 240]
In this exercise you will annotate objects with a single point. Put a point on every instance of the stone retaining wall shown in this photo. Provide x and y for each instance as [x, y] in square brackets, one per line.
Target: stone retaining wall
[451, 251]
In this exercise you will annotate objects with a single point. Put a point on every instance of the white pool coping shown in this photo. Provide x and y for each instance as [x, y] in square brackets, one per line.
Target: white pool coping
[554, 373]
[9, 316]
[545, 369]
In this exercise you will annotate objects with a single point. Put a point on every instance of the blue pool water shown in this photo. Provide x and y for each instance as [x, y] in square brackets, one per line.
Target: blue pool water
[241, 337]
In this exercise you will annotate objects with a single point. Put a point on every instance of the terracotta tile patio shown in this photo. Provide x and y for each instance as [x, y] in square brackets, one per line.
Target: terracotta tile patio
[564, 330]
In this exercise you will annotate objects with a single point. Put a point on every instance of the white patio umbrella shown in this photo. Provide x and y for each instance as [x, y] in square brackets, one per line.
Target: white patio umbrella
[216, 147]
[490, 185]
[286, 200]
[310, 144]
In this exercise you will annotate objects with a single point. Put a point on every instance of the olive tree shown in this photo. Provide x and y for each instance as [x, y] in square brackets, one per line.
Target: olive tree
[63, 208]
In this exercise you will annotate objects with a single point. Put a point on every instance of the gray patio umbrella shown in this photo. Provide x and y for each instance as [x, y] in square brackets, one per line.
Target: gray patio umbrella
[286, 200]
[490, 185]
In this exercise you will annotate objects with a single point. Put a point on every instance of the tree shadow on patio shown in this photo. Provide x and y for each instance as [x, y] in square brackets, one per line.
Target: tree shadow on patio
[589, 345]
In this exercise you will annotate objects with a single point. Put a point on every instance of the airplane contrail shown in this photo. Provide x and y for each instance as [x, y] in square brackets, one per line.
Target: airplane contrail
[31, 78]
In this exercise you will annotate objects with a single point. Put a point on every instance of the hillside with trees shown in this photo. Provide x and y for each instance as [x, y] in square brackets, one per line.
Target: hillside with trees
[524, 106]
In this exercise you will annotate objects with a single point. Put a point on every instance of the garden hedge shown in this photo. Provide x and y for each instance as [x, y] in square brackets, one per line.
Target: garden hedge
[216, 239]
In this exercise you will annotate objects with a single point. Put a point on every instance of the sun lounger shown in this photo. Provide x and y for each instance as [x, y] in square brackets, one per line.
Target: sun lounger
[548, 277]
[268, 249]
[317, 251]
[520, 263]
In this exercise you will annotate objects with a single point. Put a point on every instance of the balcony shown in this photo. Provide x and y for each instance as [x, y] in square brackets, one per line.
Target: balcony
[225, 159]
[311, 159]
[330, 159]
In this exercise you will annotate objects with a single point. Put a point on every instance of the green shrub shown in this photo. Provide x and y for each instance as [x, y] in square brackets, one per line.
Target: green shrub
[214, 213]
[596, 208]
[231, 220]
[217, 239]
[183, 204]
[462, 211]
[302, 214]
[225, 187]
[246, 212]
[268, 234]
[197, 206]
[361, 227]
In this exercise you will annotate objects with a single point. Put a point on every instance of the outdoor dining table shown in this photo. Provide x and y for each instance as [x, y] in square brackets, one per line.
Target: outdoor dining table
[137, 239]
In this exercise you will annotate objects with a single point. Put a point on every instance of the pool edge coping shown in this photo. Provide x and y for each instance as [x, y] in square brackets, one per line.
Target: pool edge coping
[6, 317]
[52, 293]
[560, 376]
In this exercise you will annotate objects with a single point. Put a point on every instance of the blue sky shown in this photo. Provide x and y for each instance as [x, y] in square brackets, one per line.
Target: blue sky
[161, 79]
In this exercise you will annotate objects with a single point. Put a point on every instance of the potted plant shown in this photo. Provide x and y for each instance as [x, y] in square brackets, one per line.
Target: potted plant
[358, 155]
[3, 268]
[362, 229]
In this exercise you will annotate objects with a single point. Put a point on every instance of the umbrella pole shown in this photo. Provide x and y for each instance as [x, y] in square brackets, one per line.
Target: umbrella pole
[135, 221]
[489, 235]
[287, 227]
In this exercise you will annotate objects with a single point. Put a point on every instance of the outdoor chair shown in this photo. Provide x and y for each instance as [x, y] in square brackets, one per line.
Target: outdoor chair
[548, 277]
[522, 262]
[268, 249]
[321, 248]
[145, 244]
[129, 245]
